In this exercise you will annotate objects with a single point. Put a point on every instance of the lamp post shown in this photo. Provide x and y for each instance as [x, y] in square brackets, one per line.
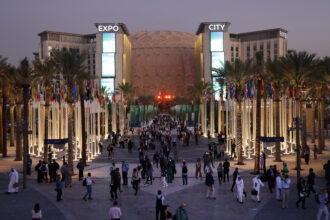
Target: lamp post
[297, 127]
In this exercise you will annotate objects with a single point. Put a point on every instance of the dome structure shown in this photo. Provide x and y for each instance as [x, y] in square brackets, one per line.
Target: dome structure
[162, 60]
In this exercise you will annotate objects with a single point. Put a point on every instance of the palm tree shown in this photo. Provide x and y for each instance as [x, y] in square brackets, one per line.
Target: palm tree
[259, 76]
[145, 100]
[45, 73]
[104, 94]
[3, 122]
[298, 68]
[126, 90]
[237, 73]
[24, 78]
[275, 75]
[70, 64]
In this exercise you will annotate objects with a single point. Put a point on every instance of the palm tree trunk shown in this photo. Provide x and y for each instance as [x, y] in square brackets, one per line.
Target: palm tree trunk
[239, 133]
[70, 133]
[303, 117]
[265, 114]
[25, 135]
[4, 125]
[277, 128]
[19, 132]
[83, 125]
[1, 124]
[258, 128]
[322, 140]
[319, 125]
[313, 121]
[103, 118]
[12, 122]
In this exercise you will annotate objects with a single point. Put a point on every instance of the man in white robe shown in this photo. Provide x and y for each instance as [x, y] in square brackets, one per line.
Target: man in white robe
[278, 186]
[13, 178]
[256, 183]
[240, 188]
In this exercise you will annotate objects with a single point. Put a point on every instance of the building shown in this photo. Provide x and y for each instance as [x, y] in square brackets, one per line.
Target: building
[215, 45]
[170, 60]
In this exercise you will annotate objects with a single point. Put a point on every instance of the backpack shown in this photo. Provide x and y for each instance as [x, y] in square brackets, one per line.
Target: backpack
[317, 200]
[184, 169]
[84, 182]
[159, 202]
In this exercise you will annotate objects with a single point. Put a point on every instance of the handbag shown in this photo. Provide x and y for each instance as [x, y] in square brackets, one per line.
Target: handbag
[15, 185]
[254, 192]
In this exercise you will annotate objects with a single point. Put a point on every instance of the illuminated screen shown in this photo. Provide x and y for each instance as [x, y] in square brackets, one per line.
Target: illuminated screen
[217, 87]
[108, 65]
[218, 60]
[109, 42]
[216, 41]
[109, 85]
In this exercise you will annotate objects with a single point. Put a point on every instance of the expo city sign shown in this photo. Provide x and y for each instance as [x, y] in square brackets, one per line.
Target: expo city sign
[107, 27]
[218, 26]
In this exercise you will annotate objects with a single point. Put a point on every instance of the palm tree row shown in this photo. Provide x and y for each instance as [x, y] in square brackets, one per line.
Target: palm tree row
[300, 70]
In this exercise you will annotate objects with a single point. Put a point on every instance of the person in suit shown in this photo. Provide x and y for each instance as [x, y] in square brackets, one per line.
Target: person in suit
[270, 178]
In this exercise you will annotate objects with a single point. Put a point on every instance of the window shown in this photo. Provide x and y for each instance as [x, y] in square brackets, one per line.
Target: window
[275, 45]
[255, 47]
[248, 54]
[248, 48]
[64, 49]
[232, 48]
[232, 54]
[236, 54]
[268, 46]
[89, 61]
[236, 49]
[261, 47]
[216, 41]
[232, 59]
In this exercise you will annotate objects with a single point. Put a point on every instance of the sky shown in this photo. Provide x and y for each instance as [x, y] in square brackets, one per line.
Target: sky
[308, 22]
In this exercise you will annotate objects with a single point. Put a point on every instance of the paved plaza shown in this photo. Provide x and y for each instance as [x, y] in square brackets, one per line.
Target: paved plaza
[142, 206]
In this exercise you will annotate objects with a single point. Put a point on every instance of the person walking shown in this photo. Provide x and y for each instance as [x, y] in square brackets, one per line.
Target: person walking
[301, 193]
[166, 214]
[36, 212]
[124, 170]
[240, 189]
[81, 168]
[220, 174]
[181, 212]
[235, 174]
[13, 181]
[278, 186]
[226, 166]
[209, 181]
[149, 172]
[115, 211]
[310, 182]
[58, 188]
[256, 184]
[135, 180]
[54, 168]
[184, 173]
[39, 175]
[164, 178]
[315, 152]
[89, 183]
[322, 205]
[113, 189]
[198, 167]
[307, 154]
[233, 148]
[270, 178]
[159, 204]
[285, 187]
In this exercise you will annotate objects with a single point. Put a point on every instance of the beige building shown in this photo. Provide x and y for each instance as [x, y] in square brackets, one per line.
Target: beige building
[173, 60]
[215, 45]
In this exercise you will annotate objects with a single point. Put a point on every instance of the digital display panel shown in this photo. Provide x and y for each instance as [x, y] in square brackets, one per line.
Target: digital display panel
[217, 89]
[109, 84]
[218, 60]
[109, 42]
[108, 65]
[216, 41]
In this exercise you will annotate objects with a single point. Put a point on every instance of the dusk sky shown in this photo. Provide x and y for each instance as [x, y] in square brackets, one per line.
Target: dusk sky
[308, 22]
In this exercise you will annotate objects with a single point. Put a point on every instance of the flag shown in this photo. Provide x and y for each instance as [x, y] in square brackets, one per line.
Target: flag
[113, 98]
[254, 89]
[248, 90]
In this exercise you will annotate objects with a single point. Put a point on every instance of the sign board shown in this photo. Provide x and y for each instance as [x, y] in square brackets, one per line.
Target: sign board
[56, 141]
[272, 139]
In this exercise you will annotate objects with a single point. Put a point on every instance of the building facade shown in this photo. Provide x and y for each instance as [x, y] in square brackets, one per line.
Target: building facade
[170, 60]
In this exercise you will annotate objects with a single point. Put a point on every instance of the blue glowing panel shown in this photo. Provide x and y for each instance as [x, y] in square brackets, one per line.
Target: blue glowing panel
[108, 65]
[217, 88]
[216, 41]
[109, 84]
[218, 60]
[109, 42]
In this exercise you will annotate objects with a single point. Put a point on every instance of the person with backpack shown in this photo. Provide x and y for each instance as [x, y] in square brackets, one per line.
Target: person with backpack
[159, 203]
[81, 168]
[322, 201]
[219, 169]
[184, 173]
[88, 183]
